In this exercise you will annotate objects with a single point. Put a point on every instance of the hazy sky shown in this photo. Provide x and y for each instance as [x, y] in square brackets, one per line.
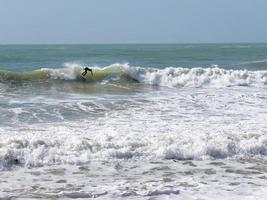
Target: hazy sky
[132, 21]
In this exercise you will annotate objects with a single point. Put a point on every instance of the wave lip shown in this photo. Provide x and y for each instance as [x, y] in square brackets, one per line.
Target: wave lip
[167, 77]
[197, 77]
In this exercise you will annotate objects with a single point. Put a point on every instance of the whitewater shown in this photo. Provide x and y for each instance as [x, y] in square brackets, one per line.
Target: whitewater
[134, 131]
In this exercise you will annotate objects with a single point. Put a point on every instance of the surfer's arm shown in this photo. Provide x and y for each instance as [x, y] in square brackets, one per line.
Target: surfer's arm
[91, 71]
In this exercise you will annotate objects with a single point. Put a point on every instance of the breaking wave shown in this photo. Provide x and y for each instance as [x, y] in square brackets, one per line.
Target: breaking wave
[169, 76]
[36, 150]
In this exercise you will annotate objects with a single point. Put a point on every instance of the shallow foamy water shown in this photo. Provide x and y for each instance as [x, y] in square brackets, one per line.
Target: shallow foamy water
[143, 142]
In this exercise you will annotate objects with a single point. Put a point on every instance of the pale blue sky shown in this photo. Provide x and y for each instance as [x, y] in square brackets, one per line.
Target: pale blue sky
[132, 21]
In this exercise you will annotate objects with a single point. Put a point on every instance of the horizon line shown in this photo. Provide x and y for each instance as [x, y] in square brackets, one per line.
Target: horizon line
[130, 43]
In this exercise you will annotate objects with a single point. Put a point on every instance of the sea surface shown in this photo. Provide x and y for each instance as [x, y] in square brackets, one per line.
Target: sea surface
[169, 121]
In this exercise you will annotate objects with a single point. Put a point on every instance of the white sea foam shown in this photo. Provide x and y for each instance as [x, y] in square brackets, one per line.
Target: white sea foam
[173, 76]
[172, 142]
[197, 77]
[69, 72]
[165, 126]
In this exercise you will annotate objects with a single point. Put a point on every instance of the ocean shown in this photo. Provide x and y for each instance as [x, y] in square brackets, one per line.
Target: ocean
[153, 121]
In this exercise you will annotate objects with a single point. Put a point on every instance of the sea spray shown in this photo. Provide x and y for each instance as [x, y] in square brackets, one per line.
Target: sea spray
[169, 76]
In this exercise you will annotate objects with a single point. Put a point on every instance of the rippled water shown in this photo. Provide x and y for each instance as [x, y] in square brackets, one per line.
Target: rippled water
[135, 132]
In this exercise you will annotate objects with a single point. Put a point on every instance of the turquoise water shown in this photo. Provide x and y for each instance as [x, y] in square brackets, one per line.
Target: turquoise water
[54, 71]
[152, 122]
[237, 56]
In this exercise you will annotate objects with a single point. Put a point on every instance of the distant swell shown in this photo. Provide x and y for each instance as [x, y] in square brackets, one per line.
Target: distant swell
[168, 77]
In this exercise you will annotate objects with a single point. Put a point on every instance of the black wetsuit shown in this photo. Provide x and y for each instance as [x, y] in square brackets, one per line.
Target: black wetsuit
[87, 69]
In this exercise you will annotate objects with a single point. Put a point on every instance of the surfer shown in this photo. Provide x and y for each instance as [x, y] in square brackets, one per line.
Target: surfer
[87, 69]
